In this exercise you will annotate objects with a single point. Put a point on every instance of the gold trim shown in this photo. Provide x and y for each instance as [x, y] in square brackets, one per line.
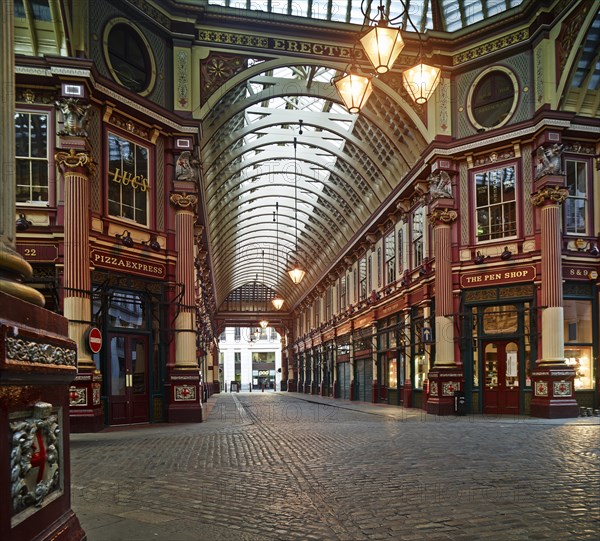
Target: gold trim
[14, 263]
[183, 200]
[23, 292]
[71, 160]
[445, 216]
[550, 194]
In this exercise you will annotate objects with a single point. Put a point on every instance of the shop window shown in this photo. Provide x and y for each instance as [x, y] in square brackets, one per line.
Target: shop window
[496, 205]
[392, 374]
[32, 162]
[578, 341]
[128, 185]
[420, 370]
[390, 258]
[127, 311]
[263, 356]
[418, 241]
[500, 320]
[575, 207]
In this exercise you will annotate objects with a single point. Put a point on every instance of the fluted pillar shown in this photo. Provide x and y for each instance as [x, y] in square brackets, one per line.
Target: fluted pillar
[185, 396]
[552, 378]
[445, 377]
[76, 168]
[86, 407]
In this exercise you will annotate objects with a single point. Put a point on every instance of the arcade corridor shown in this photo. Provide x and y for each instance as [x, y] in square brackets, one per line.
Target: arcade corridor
[278, 466]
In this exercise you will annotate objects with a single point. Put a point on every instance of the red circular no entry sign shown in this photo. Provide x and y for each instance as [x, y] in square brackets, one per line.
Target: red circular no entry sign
[94, 339]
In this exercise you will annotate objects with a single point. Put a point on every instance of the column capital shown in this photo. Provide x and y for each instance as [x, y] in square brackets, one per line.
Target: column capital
[184, 201]
[442, 216]
[549, 195]
[72, 159]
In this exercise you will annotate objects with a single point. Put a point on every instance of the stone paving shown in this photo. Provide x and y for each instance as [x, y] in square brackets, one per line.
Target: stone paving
[285, 466]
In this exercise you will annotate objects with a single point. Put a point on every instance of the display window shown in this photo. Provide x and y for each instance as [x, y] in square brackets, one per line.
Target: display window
[578, 341]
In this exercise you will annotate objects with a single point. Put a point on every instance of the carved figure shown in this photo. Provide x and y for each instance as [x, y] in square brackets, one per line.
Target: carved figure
[548, 160]
[440, 185]
[186, 167]
[76, 116]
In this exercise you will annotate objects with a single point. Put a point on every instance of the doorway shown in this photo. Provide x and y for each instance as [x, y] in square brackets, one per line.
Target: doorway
[501, 377]
[128, 379]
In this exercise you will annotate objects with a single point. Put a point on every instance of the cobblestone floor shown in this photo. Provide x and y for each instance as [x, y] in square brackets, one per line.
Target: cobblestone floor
[278, 466]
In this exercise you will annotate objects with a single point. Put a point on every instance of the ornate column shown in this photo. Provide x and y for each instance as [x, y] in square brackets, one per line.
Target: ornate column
[283, 341]
[77, 167]
[407, 387]
[185, 404]
[37, 363]
[445, 377]
[375, 380]
[552, 378]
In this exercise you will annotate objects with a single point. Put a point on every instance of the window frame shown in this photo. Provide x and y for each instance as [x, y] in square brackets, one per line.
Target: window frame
[151, 180]
[588, 221]
[390, 257]
[474, 208]
[416, 261]
[50, 149]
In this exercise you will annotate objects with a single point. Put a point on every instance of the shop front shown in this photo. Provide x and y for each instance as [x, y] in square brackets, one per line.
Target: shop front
[343, 372]
[499, 348]
[127, 312]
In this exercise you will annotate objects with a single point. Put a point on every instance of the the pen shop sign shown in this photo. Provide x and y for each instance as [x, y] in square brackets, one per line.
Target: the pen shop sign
[127, 264]
[497, 277]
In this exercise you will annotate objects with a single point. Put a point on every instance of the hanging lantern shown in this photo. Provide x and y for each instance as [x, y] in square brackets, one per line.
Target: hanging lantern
[354, 90]
[277, 302]
[420, 82]
[296, 273]
[382, 45]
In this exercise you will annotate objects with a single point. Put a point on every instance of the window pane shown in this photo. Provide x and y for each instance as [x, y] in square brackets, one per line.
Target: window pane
[128, 185]
[496, 204]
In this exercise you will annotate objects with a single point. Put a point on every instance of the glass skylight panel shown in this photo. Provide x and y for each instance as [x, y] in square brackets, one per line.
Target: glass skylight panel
[299, 8]
[473, 11]
[283, 73]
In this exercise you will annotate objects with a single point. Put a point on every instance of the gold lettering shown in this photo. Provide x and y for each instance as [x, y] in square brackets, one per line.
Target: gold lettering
[279, 44]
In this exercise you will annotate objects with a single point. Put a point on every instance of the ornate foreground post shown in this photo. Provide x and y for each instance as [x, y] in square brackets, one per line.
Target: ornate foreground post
[37, 363]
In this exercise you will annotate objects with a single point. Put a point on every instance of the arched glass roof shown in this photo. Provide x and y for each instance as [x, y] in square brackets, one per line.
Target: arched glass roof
[444, 15]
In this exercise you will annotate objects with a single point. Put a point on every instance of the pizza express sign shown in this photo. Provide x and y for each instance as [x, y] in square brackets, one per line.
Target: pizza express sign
[127, 264]
[497, 277]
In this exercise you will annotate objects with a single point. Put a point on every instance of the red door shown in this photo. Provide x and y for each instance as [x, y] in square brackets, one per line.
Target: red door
[128, 379]
[501, 377]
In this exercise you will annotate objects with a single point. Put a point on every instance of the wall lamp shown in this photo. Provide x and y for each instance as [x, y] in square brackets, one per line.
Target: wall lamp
[125, 238]
[582, 246]
[23, 223]
[152, 242]
[479, 258]
[506, 254]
